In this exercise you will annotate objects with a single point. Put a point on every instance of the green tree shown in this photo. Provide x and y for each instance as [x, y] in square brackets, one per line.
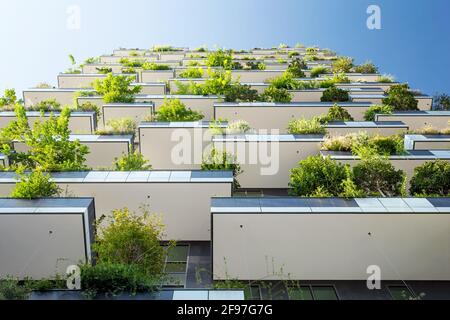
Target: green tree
[317, 172]
[175, 110]
[220, 58]
[273, 94]
[342, 65]
[373, 110]
[241, 93]
[401, 98]
[116, 89]
[367, 68]
[305, 126]
[34, 185]
[221, 160]
[431, 179]
[441, 102]
[133, 161]
[9, 98]
[296, 67]
[336, 113]
[334, 94]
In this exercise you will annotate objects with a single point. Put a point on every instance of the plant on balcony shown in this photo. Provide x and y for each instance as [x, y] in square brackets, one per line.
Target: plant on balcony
[46, 106]
[376, 176]
[220, 58]
[164, 48]
[92, 60]
[317, 71]
[49, 147]
[440, 102]
[238, 127]
[13, 289]
[336, 113]
[305, 126]
[34, 185]
[221, 160]
[334, 94]
[9, 98]
[272, 94]
[317, 173]
[340, 143]
[366, 68]
[240, 93]
[342, 65]
[385, 79]
[293, 54]
[192, 73]
[104, 70]
[431, 179]
[155, 66]
[401, 98]
[120, 126]
[296, 67]
[332, 81]
[115, 89]
[73, 69]
[175, 110]
[373, 110]
[250, 65]
[133, 161]
[131, 63]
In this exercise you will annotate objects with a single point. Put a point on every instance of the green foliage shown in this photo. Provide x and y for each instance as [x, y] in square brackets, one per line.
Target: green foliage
[382, 145]
[164, 48]
[113, 279]
[104, 70]
[220, 58]
[131, 63]
[238, 127]
[120, 126]
[175, 110]
[336, 78]
[334, 94]
[305, 126]
[221, 160]
[72, 59]
[241, 93]
[342, 65]
[336, 113]
[366, 68]
[273, 94]
[11, 289]
[317, 172]
[217, 83]
[47, 105]
[155, 66]
[9, 98]
[133, 161]
[317, 71]
[441, 102]
[431, 179]
[370, 113]
[34, 185]
[192, 73]
[401, 98]
[49, 147]
[116, 89]
[132, 239]
[296, 67]
[376, 176]
[350, 189]
[385, 79]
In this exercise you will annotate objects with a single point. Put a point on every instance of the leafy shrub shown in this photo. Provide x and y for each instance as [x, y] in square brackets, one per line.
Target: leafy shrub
[385, 79]
[284, 81]
[342, 65]
[400, 98]
[174, 110]
[367, 68]
[305, 126]
[104, 70]
[131, 239]
[333, 94]
[220, 58]
[382, 145]
[164, 48]
[122, 126]
[155, 66]
[113, 279]
[296, 67]
[221, 160]
[441, 102]
[332, 81]
[339, 143]
[336, 113]
[9, 98]
[11, 289]
[238, 127]
[376, 176]
[317, 173]
[34, 185]
[317, 71]
[431, 179]
[370, 113]
[134, 63]
[133, 161]
[292, 54]
[241, 93]
[272, 94]
[116, 89]
[192, 73]
[89, 106]
[46, 105]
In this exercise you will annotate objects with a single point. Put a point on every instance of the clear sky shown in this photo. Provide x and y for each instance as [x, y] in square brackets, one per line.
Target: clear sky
[413, 44]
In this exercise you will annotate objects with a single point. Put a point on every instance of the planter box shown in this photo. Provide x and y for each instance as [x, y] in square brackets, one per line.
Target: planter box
[172, 56]
[181, 197]
[173, 83]
[127, 52]
[364, 85]
[203, 104]
[359, 77]
[93, 68]
[407, 162]
[424, 102]
[276, 116]
[255, 75]
[180, 70]
[79, 122]
[386, 128]
[136, 111]
[81, 81]
[116, 59]
[333, 234]
[152, 87]
[161, 142]
[280, 66]
[41, 238]
[103, 149]
[186, 61]
[427, 142]
[156, 75]
[266, 160]
[4, 160]
[417, 120]
[63, 96]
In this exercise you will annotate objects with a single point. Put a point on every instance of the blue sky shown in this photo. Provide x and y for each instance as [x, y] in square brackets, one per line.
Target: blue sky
[413, 44]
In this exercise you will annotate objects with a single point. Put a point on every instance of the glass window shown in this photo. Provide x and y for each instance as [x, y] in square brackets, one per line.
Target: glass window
[300, 293]
[400, 293]
[324, 293]
[177, 254]
[252, 292]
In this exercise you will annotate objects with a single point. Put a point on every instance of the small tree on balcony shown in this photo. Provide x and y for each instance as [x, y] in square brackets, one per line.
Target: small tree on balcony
[116, 89]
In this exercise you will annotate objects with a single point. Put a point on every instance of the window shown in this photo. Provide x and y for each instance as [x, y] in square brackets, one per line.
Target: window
[176, 266]
[252, 292]
[308, 292]
[400, 293]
